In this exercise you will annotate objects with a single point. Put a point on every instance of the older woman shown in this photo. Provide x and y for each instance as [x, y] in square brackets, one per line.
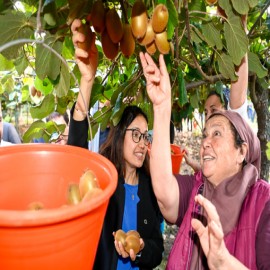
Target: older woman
[133, 205]
[223, 210]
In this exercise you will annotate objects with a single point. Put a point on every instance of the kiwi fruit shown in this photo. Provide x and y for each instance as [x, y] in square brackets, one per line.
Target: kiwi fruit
[139, 19]
[127, 43]
[73, 194]
[114, 25]
[211, 2]
[133, 232]
[149, 35]
[120, 236]
[162, 42]
[110, 49]
[151, 48]
[98, 16]
[91, 194]
[88, 181]
[160, 18]
[88, 34]
[132, 242]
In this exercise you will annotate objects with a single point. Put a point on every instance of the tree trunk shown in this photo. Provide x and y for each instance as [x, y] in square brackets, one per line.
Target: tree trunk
[260, 99]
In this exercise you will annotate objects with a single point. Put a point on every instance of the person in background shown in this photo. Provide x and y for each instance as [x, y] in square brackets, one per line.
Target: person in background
[223, 211]
[133, 205]
[9, 134]
[235, 100]
[60, 119]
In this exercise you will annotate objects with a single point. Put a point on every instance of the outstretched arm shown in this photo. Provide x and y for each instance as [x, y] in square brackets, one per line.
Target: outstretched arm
[159, 91]
[212, 239]
[238, 91]
[87, 62]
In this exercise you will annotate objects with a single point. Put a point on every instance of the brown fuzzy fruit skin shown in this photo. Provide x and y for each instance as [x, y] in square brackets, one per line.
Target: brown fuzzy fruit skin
[127, 43]
[110, 49]
[149, 35]
[73, 194]
[139, 19]
[133, 232]
[160, 18]
[114, 25]
[88, 34]
[151, 48]
[120, 236]
[91, 194]
[88, 181]
[162, 42]
[98, 16]
[132, 242]
[33, 90]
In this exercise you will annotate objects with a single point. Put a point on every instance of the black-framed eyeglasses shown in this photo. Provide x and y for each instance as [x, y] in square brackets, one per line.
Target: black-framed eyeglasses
[137, 135]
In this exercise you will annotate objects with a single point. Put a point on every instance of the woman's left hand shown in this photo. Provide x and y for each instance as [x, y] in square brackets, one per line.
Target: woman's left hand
[211, 236]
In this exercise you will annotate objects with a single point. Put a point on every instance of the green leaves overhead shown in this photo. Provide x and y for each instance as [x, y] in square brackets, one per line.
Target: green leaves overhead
[173, 18]
[255, 65]
[226, 66]
[14, 27]
[48, 62]
[236, 39]
[212, 35]
[44, 109]
[182, 92]
[243, 6]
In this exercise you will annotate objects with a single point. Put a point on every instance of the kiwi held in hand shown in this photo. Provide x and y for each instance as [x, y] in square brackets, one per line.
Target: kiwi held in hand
[98, 16]
[139, 19]
[114, 25]
[87, 182]
[88, 34]
[162, 42]
[132, 242]
[160, 18]
[127, 43]
[120, 236]
[133, 232]
[110, 49]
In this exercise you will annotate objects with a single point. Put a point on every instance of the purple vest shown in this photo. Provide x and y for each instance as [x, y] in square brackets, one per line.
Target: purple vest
[236, 241]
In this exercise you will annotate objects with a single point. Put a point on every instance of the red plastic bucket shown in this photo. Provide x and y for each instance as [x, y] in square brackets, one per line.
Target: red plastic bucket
[56, 237]
[177, 156]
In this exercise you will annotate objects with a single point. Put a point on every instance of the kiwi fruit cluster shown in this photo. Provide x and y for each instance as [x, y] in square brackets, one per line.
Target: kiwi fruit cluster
[129, 240]
[86, 189]
[151, 32]
[117, 36]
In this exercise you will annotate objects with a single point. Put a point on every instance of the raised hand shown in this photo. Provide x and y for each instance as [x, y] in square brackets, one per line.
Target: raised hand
[87, 60]
[157, 79]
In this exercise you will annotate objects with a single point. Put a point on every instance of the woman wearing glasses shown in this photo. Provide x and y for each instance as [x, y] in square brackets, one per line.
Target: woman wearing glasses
[133, 206]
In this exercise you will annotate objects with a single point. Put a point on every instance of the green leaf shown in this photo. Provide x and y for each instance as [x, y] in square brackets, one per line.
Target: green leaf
[212, 35]
[253, 3]
[182, 91]
[268, 150]
[226, 66]
[241, 6]
[45, 86]
[194, 100]
[254, 65]
[21, 63]
[173, 18]
[63, 86]
[5, 64]
[236, 39]
[117, 110]
[47, 62]
[196, 35]
[36, 130]
[44, 109]
[14, 27]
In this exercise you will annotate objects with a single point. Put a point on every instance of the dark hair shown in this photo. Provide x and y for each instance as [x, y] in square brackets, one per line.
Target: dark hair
[57, 114]
[112, 148]
[223, 99]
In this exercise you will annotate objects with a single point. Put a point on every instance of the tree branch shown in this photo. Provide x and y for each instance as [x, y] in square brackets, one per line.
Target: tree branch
[214, 79]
